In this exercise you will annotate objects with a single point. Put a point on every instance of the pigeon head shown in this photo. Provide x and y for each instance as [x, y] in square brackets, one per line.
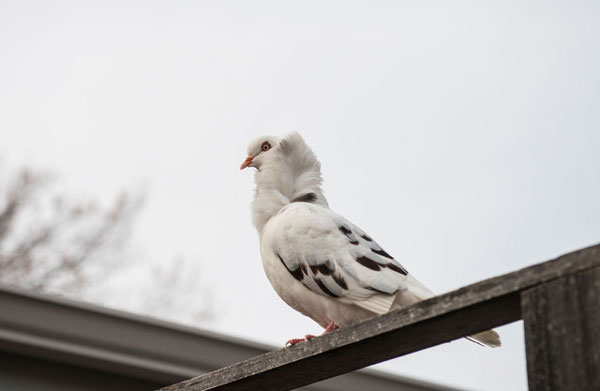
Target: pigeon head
[287, 171]
[260, 150]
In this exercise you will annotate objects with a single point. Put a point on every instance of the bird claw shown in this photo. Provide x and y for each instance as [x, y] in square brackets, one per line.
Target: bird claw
[332, 326]
[294, 341]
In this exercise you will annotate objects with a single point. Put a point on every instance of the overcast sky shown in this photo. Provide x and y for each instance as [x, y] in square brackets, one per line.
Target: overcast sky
[464, 136]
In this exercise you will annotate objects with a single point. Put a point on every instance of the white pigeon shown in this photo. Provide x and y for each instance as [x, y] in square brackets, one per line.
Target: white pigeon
[318, 262]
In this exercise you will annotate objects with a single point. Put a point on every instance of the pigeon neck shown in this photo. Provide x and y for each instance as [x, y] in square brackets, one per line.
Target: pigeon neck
[278, 185]
[267, 203]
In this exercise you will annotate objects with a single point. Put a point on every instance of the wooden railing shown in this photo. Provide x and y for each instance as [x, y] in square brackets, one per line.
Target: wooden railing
[558, 300]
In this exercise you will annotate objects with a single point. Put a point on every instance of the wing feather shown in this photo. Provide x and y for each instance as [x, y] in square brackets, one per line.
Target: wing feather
[334, 258]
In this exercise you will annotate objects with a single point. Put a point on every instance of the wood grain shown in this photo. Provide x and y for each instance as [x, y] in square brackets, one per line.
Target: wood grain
[562, 333]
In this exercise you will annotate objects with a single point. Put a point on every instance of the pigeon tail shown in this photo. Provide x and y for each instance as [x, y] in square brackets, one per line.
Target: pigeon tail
[487, 338]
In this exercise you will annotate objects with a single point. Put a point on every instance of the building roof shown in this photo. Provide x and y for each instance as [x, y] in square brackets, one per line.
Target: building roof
[76, 335]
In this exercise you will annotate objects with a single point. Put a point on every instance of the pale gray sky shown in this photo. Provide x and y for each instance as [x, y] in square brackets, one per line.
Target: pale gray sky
[464, 136]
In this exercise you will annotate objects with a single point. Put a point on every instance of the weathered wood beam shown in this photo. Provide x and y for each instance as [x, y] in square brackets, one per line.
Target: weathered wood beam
[562, 333]
[456, 314]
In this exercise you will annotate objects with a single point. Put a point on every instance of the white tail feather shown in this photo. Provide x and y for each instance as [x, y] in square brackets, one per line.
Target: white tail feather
[417, 292]
[487, 338]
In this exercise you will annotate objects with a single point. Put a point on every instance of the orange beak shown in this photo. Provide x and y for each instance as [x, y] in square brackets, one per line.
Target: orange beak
[246, 162]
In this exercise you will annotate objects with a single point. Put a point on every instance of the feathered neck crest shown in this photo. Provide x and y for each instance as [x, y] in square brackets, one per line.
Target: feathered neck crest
[290, 173]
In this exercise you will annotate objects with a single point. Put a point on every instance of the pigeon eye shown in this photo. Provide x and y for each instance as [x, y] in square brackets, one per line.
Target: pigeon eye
[265, 146]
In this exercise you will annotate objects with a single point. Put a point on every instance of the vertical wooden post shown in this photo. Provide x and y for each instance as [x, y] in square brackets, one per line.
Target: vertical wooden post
[562, 333]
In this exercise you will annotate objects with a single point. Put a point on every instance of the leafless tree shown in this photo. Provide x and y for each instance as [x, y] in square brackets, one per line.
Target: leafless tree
[179, 293]
[50, 243]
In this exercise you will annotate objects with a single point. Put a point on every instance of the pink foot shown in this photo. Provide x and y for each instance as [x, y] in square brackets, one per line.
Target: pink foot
[294, 341]
[332, 326]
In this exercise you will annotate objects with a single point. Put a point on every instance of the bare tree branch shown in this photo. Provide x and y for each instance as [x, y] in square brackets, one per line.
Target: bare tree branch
[51, 243]
[45, 240]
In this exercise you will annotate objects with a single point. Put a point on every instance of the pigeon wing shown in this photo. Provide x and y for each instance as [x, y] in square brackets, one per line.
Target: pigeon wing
[333, 257]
